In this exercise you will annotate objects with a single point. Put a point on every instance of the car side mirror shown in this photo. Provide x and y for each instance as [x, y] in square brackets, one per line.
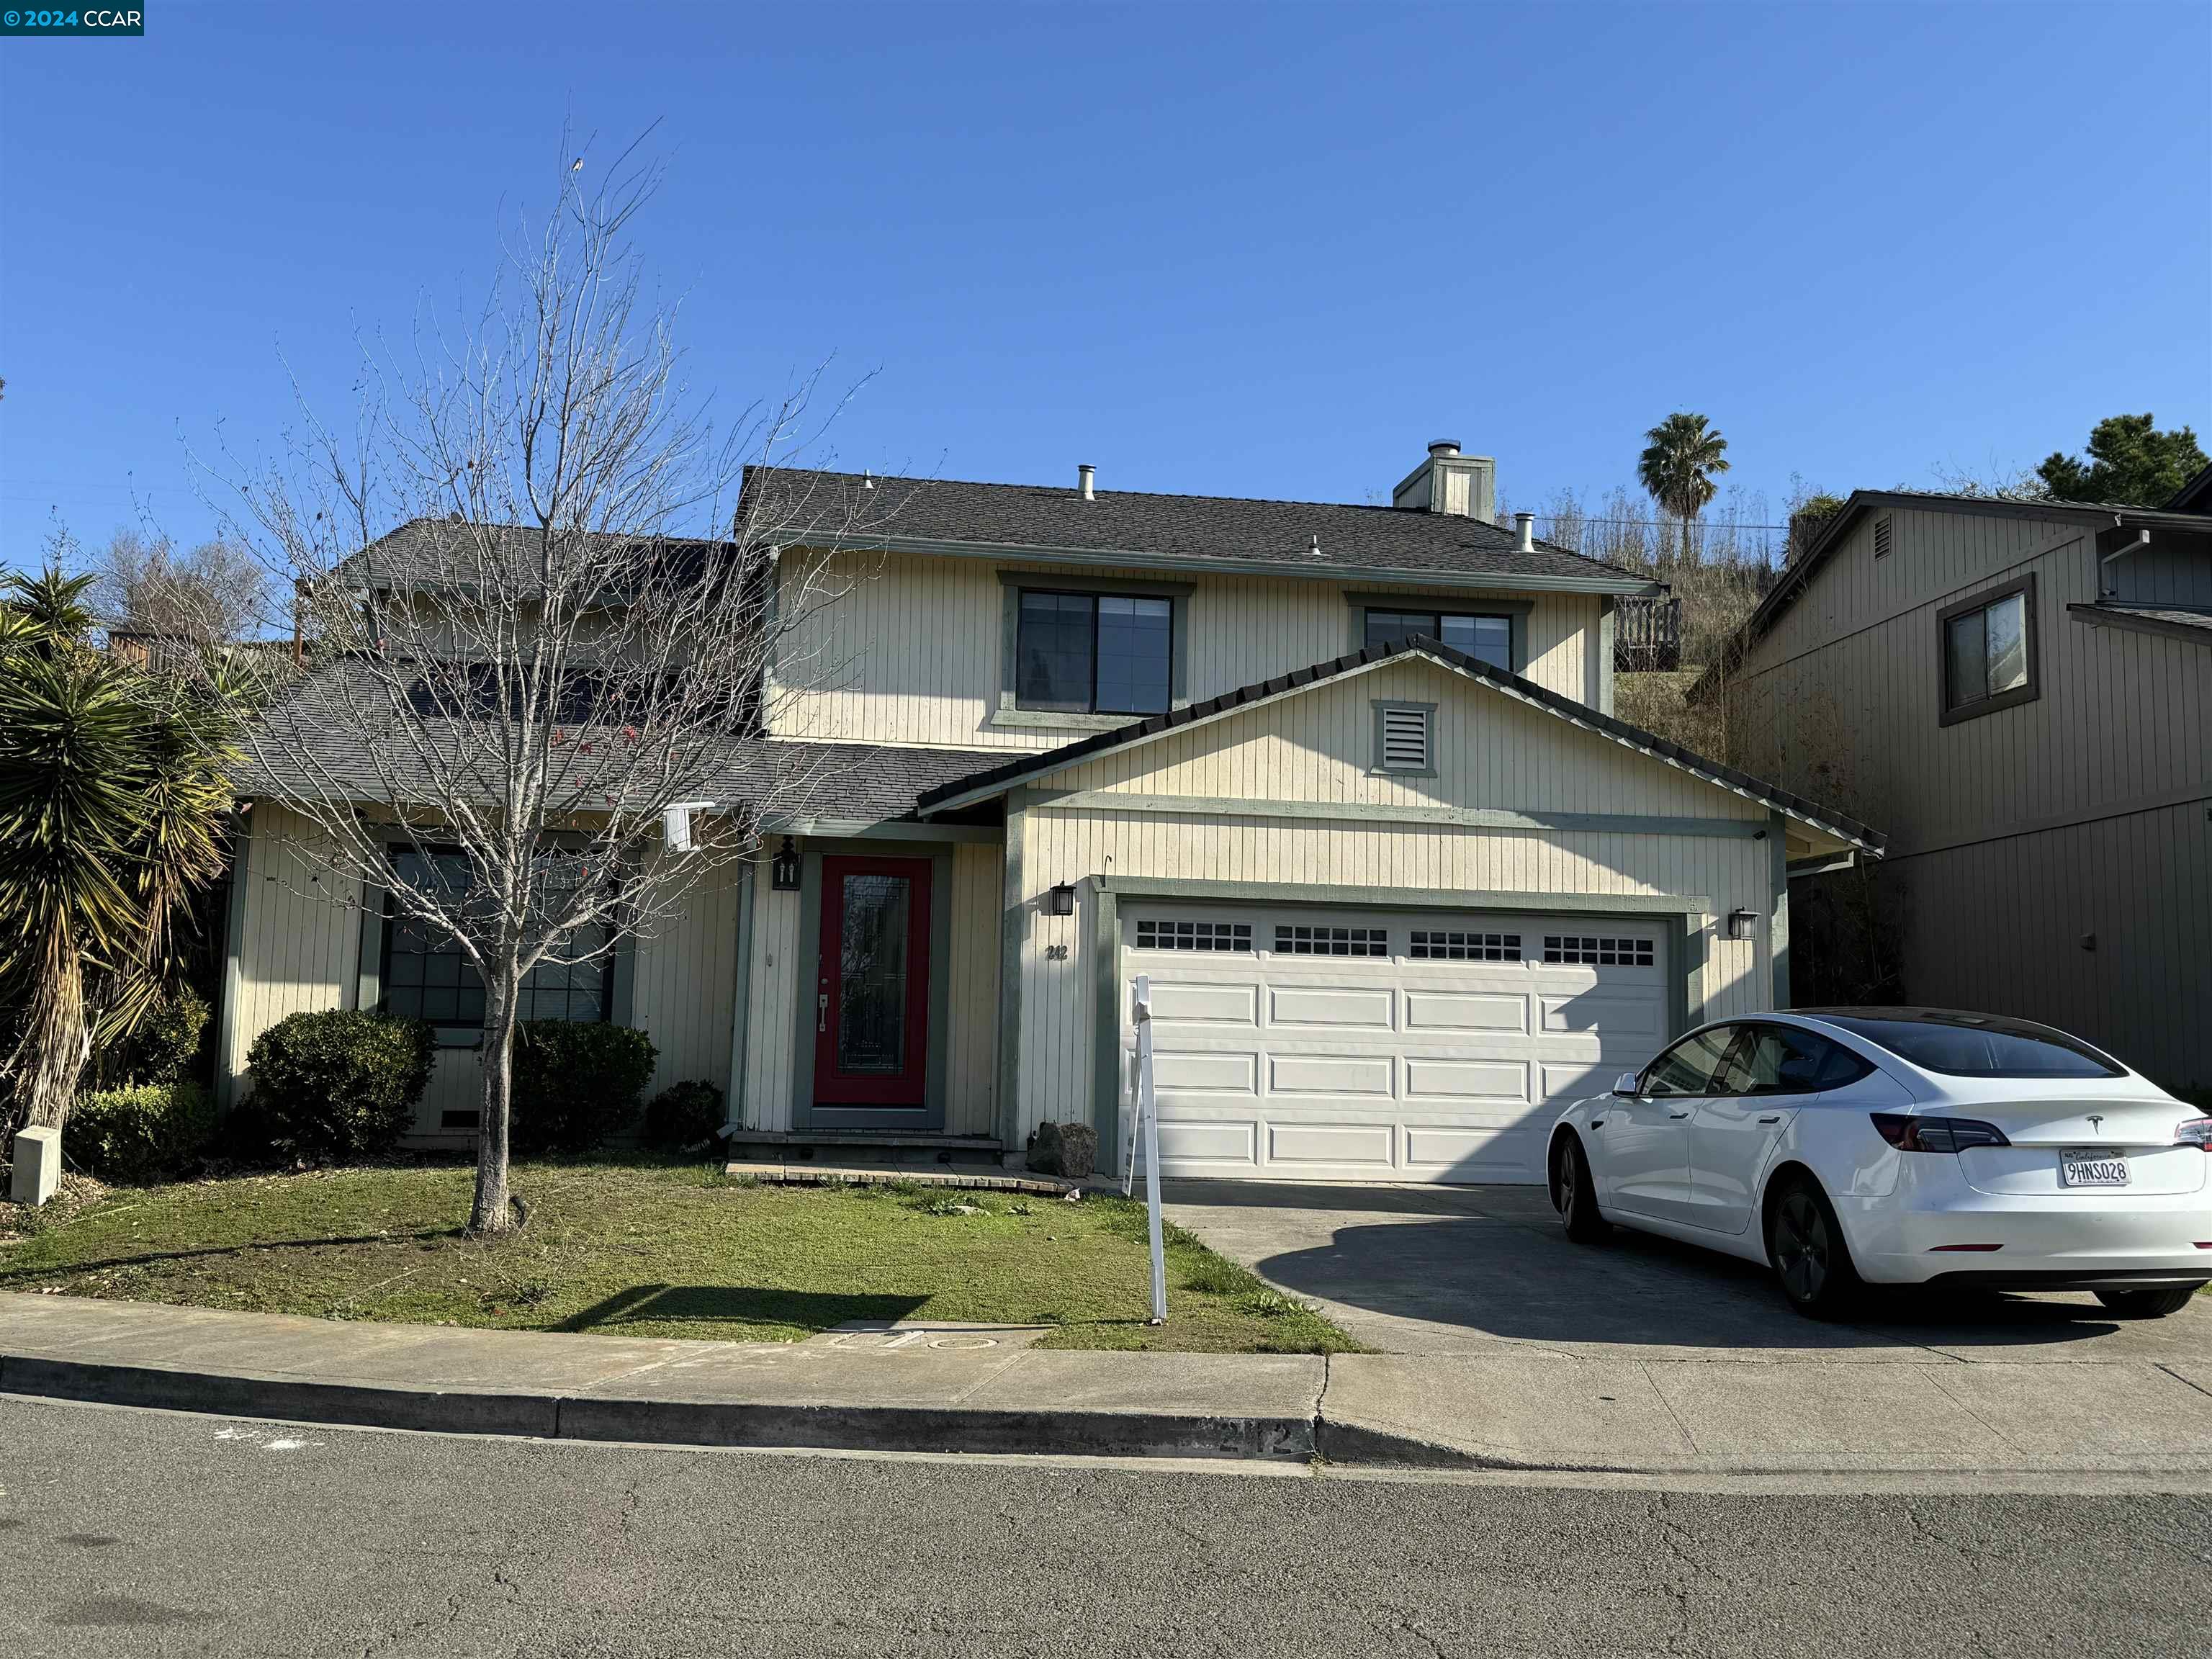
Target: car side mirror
[1627, 1083]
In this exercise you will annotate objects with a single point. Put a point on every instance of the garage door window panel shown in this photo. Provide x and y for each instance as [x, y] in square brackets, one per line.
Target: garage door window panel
[1299, 940]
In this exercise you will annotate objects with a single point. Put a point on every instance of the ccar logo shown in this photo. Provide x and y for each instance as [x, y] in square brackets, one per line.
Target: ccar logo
[2097, 1123]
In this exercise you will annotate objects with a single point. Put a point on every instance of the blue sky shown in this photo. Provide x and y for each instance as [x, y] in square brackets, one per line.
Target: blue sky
[1235, 249]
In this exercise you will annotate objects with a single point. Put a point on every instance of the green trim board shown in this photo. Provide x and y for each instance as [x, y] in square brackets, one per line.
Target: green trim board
[880, 830]
[1479, 817]
[1778, 917]
[1684, 915]
[741, 1006]
[1106, 1047]
[1517, 612]
[1013, 926]
[1606, 629]
[1304, 568]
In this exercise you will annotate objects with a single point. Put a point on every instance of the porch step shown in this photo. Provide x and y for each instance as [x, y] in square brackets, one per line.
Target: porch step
[891, 1141]
[976, 1177]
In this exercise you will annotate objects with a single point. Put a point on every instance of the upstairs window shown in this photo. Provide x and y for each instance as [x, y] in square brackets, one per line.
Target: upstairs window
[1094, 653]
[1988, 644]
[1487, 639]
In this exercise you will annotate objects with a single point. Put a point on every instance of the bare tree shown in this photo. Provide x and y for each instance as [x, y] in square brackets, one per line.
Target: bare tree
[215, 595]
[548, 590]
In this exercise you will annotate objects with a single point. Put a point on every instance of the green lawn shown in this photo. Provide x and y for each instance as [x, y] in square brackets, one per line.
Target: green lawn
[653, 1250]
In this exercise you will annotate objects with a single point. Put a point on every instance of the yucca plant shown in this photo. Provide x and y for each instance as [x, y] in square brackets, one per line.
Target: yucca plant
[1681, 454]
[112, 797]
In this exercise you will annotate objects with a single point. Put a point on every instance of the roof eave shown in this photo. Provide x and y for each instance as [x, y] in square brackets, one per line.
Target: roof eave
[1649, 745]
[1322, 570]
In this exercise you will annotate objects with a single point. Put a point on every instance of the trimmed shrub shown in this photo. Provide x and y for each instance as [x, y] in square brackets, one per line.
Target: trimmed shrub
[575, 1084]
[166, 1044]
[143, 1133]
[339, 1085]
[684, 1115]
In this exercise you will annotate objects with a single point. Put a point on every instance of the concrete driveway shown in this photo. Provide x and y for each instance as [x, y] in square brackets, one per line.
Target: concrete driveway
[1471, 1270]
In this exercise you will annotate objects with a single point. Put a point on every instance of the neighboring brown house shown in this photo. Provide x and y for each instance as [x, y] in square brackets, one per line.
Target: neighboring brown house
[2021, 694]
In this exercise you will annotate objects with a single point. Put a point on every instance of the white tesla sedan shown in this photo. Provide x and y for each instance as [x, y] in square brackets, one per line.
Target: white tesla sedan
[1846, 1146]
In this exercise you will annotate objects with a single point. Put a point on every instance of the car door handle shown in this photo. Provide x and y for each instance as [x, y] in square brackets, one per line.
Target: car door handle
[1772, 1117]
[1678, 1115]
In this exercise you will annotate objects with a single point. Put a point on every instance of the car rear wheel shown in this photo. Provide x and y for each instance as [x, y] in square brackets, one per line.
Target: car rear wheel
[1573, 1193]
[1806, 1246]
[2147, 1304]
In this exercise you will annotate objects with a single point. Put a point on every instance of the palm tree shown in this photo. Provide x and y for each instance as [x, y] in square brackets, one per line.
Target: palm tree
[112, 793]
[1681, 454]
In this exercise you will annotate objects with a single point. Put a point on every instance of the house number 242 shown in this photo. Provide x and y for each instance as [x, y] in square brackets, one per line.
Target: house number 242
[1056, 953]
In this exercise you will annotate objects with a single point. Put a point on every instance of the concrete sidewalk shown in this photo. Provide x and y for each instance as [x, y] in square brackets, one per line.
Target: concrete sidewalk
[920, 1387]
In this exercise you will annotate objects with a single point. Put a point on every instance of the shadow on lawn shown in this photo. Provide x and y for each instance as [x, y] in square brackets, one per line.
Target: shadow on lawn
[735, 1304]
[105, 1264]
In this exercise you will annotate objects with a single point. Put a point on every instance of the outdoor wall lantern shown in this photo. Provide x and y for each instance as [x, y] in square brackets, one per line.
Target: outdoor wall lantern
[783, 869]
[1742, 924]
[1063, 899]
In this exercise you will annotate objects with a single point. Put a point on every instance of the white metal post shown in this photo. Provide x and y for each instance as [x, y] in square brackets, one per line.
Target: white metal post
[1148, 1124]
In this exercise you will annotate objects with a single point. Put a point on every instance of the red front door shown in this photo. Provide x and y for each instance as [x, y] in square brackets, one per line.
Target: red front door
[871, 989]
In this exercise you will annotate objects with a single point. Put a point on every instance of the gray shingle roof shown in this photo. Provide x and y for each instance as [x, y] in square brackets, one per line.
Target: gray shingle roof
[1227, 530]
[1005, 776]
[426, 551]
[308, 748]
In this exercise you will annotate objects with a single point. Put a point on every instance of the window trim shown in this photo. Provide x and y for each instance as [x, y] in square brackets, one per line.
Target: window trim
[1383, 707]
[1012, 583]
[1951, 715]
[1514, 612]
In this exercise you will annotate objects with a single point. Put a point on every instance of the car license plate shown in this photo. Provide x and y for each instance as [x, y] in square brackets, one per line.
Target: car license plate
[2091, 1167]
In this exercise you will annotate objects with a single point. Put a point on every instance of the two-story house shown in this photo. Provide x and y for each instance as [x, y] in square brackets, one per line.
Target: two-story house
[1343, 780]
[2021, 694]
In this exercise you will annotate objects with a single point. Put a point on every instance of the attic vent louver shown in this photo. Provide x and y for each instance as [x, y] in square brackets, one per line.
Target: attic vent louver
[1881, 536]
[1404, 739]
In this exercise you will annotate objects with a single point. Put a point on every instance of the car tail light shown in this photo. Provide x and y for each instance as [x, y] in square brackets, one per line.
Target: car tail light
[1936, 1134]
[2195, 1132]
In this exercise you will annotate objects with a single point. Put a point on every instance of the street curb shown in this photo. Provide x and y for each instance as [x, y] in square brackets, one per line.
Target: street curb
[670, 1422]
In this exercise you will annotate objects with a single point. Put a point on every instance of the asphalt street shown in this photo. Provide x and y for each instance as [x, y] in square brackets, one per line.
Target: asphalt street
[126, 1533]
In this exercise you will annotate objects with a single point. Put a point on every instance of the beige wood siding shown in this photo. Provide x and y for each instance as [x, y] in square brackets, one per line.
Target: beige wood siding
[971, 1072]
[298, 945]
[2012, 835]
[909, 650]
[300, 952]
[1316, 747]
[777, 984]
[683, 983]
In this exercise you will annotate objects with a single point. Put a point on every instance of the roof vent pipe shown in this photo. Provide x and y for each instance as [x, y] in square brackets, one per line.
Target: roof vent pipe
[1084, 473]
[1525, 524]
[1444, 447]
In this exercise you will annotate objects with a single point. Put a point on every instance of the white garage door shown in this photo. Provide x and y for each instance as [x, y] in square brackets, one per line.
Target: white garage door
[1324, 1045]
